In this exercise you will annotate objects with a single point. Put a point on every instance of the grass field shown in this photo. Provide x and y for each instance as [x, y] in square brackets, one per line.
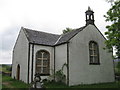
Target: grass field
[102, 85]
[0, 67]
[8, 82]
[0, 77]
[0, 81]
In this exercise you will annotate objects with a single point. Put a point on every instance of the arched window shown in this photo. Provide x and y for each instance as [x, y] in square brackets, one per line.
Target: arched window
[43, 62]
[94, 53]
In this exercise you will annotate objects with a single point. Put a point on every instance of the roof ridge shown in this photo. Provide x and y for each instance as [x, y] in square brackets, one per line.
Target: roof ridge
[58, 40]
[22, 28]
[67, 34]
[66, 37]
[74, 30]
[39, 31]
[50, 39]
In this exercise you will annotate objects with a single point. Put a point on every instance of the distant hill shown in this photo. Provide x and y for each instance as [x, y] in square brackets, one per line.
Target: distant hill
[6, 64]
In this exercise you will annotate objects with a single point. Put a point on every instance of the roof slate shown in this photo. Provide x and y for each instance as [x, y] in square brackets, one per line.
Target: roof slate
[49, 39]
[66, 37]
[39, 37]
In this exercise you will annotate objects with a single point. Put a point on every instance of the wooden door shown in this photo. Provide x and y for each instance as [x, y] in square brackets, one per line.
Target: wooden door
[18, 72]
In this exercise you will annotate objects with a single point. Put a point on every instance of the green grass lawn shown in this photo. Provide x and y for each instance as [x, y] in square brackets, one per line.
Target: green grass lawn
[0, 81]
[0, 67]
[8, 82]
[102, 85]
[0, 77]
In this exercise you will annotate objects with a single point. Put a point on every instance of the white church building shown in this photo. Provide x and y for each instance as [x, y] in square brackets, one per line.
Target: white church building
[81, 50]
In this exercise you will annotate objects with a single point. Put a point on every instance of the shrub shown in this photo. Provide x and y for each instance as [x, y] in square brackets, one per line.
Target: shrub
[60, 77]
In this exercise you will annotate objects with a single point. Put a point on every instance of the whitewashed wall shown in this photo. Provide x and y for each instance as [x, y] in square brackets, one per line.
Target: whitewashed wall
[30, 63]
[20, 56]
[80, 70]
[61, 57]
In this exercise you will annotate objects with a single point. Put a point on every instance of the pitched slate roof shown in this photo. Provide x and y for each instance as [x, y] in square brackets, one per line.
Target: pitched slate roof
[39, 37]
[66, 37]
[49, 39]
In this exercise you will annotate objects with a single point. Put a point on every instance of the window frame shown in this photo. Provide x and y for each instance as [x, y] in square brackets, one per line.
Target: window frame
[94, 49]
[43, 74]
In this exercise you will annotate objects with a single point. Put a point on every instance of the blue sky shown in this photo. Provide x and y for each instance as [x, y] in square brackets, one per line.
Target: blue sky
[44, 15]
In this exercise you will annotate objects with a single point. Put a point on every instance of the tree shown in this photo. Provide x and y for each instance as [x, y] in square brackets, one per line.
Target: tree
[67, 30]
[118, 68]
[113, 33]
[118, 65]
[110, 1]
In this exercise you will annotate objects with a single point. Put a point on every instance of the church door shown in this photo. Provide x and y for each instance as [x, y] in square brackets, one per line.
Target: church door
[18, 72]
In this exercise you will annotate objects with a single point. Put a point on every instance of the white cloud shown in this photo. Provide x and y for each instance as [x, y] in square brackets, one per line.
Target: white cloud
[45, 15]
[5, 57]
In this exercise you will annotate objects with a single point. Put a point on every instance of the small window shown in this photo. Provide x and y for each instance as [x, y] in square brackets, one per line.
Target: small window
[88, 17]
[94, 53]
[42, 62]
[91, 17]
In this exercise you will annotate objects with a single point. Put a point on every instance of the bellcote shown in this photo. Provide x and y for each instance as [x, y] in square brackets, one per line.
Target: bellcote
[89, 16]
